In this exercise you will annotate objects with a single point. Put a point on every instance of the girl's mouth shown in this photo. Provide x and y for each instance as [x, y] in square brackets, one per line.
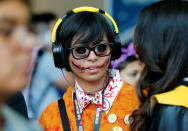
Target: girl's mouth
[90, 69]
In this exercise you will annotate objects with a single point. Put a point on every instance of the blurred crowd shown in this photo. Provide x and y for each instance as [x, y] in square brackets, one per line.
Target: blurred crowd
[30, 81]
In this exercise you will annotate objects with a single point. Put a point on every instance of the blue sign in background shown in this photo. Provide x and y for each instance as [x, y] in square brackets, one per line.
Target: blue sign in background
[125, 13]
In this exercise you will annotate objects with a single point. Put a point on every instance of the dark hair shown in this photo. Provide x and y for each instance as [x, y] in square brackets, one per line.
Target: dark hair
[128, 60]
[162, 44]
[88, 26]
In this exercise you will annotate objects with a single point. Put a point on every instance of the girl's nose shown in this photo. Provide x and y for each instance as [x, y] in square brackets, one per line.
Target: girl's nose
[92, 56]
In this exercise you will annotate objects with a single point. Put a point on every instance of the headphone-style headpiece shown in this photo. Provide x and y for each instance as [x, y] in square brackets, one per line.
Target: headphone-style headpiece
[57, 49]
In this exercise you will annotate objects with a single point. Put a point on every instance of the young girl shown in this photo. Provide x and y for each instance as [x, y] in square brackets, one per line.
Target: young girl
[84, 44]
[129, 66]
[161, 42]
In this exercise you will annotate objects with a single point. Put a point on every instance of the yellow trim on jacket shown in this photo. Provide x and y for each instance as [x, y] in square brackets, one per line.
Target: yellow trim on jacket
[177, 97]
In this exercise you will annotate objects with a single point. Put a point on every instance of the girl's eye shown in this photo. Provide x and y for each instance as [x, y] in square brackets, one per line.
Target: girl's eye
[101, 48]
[6, 32]
[81, 50]
[133, 74]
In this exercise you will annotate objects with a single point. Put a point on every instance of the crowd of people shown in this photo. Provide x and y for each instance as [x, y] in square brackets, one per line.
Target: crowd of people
[84, 78]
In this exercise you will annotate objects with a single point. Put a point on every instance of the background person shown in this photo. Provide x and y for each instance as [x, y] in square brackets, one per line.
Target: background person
[16, 44]
[161, 43]
[9, 21]
[47, 83]
[129, 66]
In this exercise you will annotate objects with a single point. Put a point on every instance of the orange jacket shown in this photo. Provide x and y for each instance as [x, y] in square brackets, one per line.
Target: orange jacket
[124, 104]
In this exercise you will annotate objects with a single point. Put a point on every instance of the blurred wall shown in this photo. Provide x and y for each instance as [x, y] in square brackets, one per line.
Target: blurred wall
[59, 7]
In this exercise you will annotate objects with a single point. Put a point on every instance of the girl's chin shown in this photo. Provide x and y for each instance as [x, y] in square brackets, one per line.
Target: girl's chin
[92, 78]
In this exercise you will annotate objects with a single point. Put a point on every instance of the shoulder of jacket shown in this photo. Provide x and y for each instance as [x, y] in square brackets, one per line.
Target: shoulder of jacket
[169, 117]
[177, 97]
[68, 93]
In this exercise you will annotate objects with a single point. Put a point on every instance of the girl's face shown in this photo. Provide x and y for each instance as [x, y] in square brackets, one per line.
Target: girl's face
[131, 73]
[92, 68]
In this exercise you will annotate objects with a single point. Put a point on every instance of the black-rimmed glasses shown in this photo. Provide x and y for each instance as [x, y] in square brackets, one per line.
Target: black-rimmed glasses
[101, 49]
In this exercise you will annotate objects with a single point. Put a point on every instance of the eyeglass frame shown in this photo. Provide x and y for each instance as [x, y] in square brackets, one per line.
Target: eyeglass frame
[92, 48]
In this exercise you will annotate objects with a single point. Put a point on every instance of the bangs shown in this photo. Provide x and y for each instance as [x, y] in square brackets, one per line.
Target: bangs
[92, 29]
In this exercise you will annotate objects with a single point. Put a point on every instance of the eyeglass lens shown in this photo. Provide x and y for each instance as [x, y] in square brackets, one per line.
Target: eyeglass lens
[99, 50]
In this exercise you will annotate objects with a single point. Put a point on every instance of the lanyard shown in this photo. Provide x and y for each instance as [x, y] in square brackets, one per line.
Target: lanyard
[79, 122]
